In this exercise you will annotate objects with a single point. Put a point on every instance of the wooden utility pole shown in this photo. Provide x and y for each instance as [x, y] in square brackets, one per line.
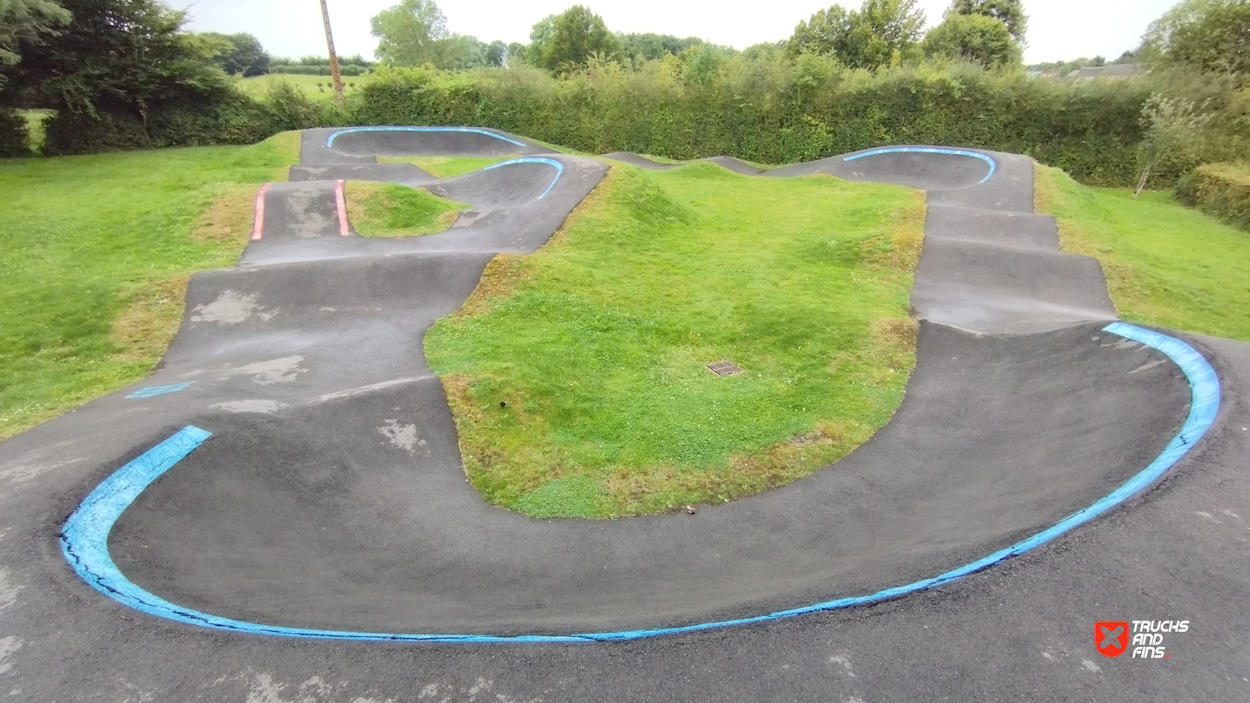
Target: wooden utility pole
[335, 75]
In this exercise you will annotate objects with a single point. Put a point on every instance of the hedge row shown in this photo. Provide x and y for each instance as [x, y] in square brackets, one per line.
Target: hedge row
[769, 111]
[13, 137]
[1221, 190]
[782, 113]
[234, 118]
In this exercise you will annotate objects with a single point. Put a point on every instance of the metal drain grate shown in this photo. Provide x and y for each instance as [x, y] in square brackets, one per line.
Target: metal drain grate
[724, 368]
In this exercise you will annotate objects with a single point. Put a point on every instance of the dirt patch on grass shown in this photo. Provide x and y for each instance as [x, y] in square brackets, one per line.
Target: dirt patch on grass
[500, 280]
[228, 217]
[900, 250]
[144, 330]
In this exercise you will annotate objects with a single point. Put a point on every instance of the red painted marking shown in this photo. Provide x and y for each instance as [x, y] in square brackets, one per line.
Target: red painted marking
[258, 222]
[340, 201]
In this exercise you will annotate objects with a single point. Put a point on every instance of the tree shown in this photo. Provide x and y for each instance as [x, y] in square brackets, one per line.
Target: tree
[577, 35]
[496, 53]
[877, 34]
[241, 54]
[540, 35]
[1209, 35]
[976, 38]
[406, 32]
[121, 56]
[516, 52]
[1009, 12]
[29, 21]
[1174, 129]
[825, 33]
[650, 46]
[457, 52]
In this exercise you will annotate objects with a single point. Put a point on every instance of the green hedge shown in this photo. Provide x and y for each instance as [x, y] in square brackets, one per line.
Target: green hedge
[234, 118]
[1221, 190]
[770, 110]
[14, 140]
[781, 112]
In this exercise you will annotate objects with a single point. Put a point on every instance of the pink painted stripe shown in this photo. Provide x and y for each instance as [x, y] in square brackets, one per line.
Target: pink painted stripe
[258, 222]
[340, 201]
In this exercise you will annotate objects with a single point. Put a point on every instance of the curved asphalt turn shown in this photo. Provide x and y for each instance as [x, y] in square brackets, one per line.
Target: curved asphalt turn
[999, 436]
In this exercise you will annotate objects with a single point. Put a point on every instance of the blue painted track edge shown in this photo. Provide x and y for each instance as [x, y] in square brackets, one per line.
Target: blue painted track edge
[473, 130]
[534, 160]
[930, 150]
[84, 538]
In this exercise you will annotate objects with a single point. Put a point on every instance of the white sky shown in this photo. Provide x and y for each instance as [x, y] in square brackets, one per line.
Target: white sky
[1058, 29]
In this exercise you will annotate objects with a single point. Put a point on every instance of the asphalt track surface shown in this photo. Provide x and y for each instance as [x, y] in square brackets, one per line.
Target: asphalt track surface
[330, 494]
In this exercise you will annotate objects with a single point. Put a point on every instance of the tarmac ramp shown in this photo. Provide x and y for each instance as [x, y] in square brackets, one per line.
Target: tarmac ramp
[330, 501]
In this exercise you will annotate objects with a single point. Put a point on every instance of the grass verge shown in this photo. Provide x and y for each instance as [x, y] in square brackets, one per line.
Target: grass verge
[392, 210]
[446, 166]
[577, 375]
[97, 253]
[1166, 265]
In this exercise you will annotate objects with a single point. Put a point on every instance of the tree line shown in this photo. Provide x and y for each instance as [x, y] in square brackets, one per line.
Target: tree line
[125, 74]
[879, 33]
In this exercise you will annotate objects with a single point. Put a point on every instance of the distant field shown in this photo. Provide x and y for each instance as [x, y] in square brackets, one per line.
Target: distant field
[34, 125]
[309, 84]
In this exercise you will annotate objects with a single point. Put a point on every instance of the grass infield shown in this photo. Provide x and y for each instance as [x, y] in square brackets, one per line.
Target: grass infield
[391, 210]
[577, 375]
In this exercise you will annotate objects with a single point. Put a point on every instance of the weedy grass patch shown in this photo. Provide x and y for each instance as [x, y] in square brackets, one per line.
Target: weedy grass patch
[577, 375]
[1166, 264]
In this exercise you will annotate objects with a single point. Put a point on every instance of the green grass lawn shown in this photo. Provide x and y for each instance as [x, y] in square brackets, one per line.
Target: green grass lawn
[577, 375]
[97, 250]
[447, 166]
[1166, 264]
[259, 85]
[392, 210]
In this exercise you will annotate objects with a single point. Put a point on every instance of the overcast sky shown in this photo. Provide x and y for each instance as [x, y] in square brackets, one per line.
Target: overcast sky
[1058, 29]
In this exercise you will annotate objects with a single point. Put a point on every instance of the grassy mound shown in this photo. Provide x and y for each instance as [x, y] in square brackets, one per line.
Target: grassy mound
[577, 375]
[97, 254]
[1166, 265]
[391, 210]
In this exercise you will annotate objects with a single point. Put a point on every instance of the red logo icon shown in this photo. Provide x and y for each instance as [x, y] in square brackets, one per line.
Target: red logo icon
[1111, 637]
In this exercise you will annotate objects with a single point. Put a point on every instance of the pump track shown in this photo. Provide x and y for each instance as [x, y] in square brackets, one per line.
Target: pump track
[279, 513]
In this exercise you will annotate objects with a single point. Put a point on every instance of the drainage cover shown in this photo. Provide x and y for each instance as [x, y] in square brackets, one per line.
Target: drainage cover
[724, 368]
